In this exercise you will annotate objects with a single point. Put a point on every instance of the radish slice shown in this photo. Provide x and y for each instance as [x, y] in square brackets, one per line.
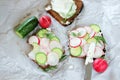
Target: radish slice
[34, 39]
[75, 42]
[98, 52]
[83, 42]
[88, 29]
[72, 33]
[92, 34]
[101, 45]
[46, 50]
[55, 44]
[53, 59]
[82, 32]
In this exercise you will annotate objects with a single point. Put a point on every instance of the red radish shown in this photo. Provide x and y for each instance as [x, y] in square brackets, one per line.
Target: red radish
[98, 52]
[45, 21]
[34, 39]
[75, 42]
[81, 32]
[100, 65]
[88, 29]
[92, 34]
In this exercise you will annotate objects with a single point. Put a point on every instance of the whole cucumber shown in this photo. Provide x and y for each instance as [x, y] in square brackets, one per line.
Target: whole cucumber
[26, 27]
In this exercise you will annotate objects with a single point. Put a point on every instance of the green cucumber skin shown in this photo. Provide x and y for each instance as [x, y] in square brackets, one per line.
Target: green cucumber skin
[27, 26]
[77, 50]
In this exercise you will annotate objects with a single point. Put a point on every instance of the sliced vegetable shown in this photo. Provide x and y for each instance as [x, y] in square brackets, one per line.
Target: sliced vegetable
[88, 29]
[81, 32]
[75, 42]
[86, 48]
[83, 41]
[26, 27]
[73, 33]
[42, 33]
[58, 51]
[100, 44]
[98, 52]
[92, 34]
[55, 38]
[63, 58]
[53, 59]
[100, 38]
[45, 21]
[91, 40]
[100, 65]
[95, 27]
[55, 44]
[87, 36]
[76, 51]
[41, 58]
[34, 39]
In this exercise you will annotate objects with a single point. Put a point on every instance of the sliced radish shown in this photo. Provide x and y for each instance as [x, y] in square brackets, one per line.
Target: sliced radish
[53, 59]
[83, 54]
[81, 32]
[34, 39]
[98, 52]
[88, 29]
[73, 33]
[83, 42]
[75, 42]
[55, 44]
[101, 45]
[92, 34]
[46, 50]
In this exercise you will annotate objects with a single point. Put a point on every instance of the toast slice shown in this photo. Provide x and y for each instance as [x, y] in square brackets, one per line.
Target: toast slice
[61, 20]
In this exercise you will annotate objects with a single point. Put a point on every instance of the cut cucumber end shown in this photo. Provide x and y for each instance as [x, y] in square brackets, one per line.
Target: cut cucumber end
[95, 27]
[42, 33]
[19, 34]
[41, 58]
[58, 51]
[76, 51]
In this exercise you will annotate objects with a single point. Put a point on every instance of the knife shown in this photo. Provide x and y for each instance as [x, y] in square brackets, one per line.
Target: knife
[88, 72]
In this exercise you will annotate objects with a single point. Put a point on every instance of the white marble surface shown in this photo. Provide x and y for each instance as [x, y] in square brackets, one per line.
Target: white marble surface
[15, 65]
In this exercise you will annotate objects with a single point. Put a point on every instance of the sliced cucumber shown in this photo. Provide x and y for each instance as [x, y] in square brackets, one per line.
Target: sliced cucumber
[76, 51]
[42, 33]
[58, 51]
[55, 38]
[91, 40]
[95, 27]
[41, 58]
[26, 27]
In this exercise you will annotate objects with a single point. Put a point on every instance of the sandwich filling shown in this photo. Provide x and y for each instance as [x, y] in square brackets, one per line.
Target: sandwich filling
[65, 8]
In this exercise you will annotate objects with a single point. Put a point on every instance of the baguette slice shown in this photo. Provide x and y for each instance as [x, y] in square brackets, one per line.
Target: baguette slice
[61, 20]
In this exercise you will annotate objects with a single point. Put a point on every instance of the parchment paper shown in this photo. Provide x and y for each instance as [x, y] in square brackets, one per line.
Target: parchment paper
[15, 65]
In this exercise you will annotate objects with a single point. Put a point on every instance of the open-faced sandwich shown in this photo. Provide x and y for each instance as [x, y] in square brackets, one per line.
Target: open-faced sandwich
[47, 50]
[88, 43]
[64, 11]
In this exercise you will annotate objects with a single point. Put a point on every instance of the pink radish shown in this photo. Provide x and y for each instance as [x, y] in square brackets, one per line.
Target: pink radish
[88, 29]
[75, 42]
[81, 32]
[55, 44]
[98, 52]
[83, 54]
[34, 39]
[92, 34]
[83, 42]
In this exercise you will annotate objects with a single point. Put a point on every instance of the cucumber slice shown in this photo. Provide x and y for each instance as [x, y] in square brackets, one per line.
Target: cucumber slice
[95, 27]
[76, 51]
[55, 38]
[41, 58]
[26, 27]
[42, 33]
[92, 40]
[58, 51]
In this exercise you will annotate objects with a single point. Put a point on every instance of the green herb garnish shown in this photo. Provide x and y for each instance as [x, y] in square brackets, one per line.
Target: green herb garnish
[100, 38]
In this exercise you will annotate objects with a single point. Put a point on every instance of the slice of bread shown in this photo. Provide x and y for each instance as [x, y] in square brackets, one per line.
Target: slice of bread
[61, 20]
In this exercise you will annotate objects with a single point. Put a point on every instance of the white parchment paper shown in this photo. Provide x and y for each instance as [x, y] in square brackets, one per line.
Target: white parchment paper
[15, 65]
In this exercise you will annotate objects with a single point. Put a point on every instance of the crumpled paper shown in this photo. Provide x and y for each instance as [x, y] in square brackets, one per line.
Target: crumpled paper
[15, 65]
